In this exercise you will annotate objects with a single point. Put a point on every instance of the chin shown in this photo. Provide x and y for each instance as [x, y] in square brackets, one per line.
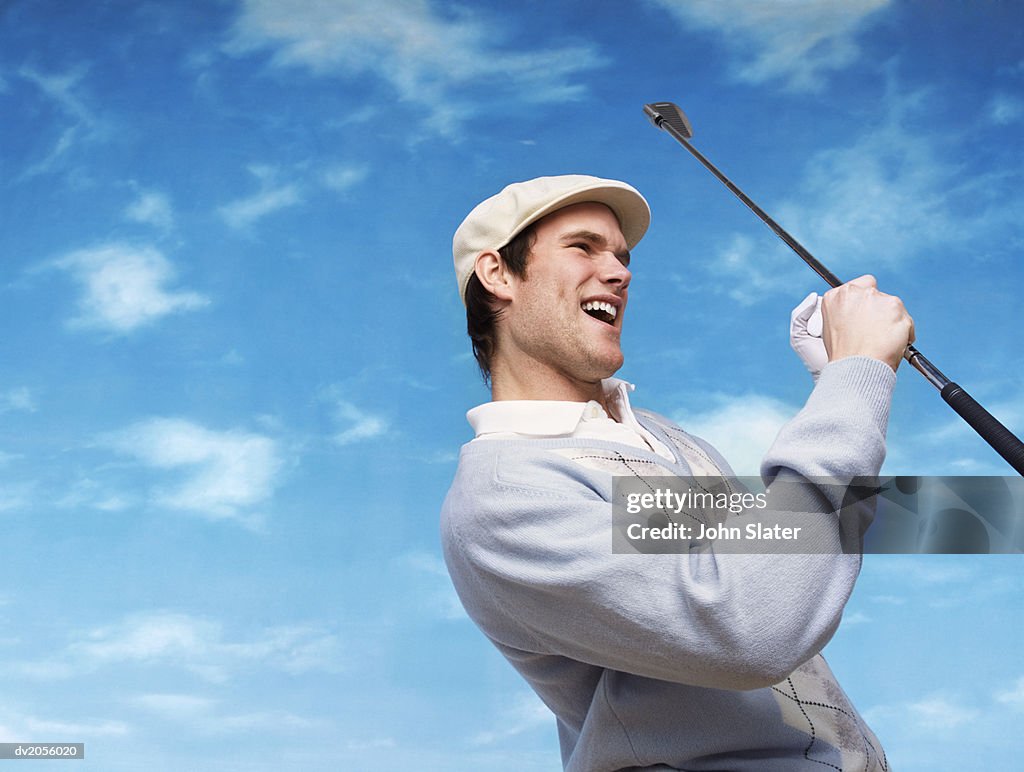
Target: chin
[610, 365]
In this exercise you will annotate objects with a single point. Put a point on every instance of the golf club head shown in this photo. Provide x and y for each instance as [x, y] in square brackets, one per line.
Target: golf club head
[667, 112]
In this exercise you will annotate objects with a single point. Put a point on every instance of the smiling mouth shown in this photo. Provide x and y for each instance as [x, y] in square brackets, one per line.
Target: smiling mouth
[603, 312]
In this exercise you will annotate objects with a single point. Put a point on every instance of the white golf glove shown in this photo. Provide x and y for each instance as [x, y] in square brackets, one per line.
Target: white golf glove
[805, 334]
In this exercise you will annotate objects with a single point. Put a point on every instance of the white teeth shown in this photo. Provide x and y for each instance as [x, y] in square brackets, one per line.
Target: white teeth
[599, 305]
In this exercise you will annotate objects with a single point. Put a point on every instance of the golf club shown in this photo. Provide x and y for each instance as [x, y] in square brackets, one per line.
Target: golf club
[668, 116]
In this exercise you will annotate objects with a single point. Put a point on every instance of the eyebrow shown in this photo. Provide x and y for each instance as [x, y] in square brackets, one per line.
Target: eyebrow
[597, 239]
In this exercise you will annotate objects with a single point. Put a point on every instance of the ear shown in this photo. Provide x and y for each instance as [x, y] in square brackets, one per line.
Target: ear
[490, 269]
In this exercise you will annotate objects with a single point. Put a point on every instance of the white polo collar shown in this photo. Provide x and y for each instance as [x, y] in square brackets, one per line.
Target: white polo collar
[545, 418]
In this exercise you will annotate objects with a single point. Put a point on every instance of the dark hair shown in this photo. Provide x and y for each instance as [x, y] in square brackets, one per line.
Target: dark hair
[482, 312]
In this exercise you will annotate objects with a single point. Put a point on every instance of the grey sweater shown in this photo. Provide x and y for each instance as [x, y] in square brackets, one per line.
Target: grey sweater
[698, 661]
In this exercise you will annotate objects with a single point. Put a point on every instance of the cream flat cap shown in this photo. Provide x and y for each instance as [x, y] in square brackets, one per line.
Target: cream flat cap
[495, 222]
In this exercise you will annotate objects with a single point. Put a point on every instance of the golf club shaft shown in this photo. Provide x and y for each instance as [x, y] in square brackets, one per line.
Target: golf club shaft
[912, 355]
[830, 278]
[1002, 440]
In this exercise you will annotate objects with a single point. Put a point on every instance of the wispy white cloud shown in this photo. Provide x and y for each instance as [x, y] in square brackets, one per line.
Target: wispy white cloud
[198, 645]
[80, 122]
[759, 273]
[62, 90]
[86, 492]
[223, 474]
[176, 706]
[7, 458]
[930, 573]
[934, 712]
[18, 496]
[952, 444]
[1004, 109]
[525, 712]
[932, 731]
[797, 43]
[882, 199]
[151, 208]
[855, 618]
[940, 712]
[275, 195]
[438, 456]
[944, 582]
[741, 428]
[293, 649]
[148, 637]
[358, 424]
[1013, 697]
[260, 721]
[18, 399]
[17, 726]
[371, 744]
[343, 177]
[125, 287]
[889, 600]
[244, 212]
[434, 585]
[39, 727]
[430, 58]
[206, 715]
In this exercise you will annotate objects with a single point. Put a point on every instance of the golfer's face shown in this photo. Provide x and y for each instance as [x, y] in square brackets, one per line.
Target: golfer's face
[567, 312]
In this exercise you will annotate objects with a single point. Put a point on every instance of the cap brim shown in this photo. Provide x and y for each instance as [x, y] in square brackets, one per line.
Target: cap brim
[629, 207]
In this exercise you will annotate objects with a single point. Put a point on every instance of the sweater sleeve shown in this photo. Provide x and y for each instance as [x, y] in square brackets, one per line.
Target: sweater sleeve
[840, 432]
[527, 537]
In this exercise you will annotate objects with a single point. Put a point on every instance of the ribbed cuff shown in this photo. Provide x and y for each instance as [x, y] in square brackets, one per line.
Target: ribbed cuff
[866, 380]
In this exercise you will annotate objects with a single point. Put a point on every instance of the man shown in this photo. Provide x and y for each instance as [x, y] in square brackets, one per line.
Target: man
[699, 660]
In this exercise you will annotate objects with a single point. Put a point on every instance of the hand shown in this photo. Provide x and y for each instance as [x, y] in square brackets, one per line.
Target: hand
[805, 334]
[861, 321]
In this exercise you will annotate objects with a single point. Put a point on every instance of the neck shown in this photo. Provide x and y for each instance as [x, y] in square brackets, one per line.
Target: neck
[535, 381]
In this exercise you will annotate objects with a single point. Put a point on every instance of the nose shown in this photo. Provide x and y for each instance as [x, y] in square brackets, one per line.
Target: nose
[614, 271]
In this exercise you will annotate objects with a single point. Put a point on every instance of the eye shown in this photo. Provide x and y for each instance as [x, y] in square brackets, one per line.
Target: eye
[581, 245]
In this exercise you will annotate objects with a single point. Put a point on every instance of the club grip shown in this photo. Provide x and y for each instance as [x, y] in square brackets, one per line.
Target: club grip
[984, 423]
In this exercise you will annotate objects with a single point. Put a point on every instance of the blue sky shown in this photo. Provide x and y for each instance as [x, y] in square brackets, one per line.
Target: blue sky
[235, 373]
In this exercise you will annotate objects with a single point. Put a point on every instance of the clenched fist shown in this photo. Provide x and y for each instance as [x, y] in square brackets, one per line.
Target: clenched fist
[858, 320]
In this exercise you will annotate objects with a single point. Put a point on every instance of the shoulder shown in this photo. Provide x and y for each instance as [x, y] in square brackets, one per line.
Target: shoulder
[519, 503]
[510, 491]
[491, 469]
[683, 441]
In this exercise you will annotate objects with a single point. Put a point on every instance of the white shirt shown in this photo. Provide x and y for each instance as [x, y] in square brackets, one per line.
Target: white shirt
[518, 418]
